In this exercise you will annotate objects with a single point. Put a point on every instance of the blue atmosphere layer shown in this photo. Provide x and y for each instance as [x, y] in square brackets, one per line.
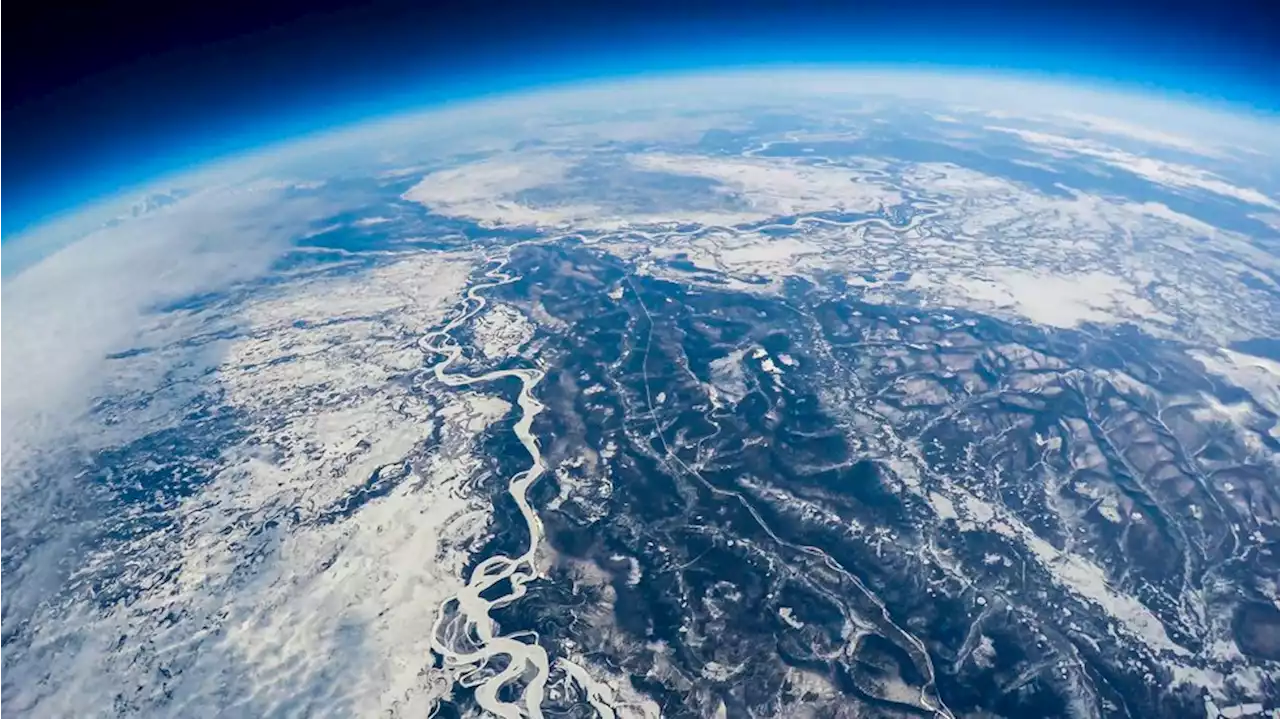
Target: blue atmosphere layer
[196, 135]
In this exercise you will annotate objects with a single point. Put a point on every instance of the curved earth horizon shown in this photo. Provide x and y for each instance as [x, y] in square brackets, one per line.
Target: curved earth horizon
[804, 392]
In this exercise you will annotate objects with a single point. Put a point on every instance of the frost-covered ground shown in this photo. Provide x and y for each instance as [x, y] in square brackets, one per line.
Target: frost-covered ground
[892, 397]
[331, 520]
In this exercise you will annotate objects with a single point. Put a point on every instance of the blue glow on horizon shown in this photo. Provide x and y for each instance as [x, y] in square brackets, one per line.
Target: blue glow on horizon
[137, 161]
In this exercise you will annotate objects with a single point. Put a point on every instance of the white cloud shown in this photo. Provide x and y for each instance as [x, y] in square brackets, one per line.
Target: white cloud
[252, 600]
[1142, 133]
[98, 294]
[1160, 172]
[336, 616]
[75, 301]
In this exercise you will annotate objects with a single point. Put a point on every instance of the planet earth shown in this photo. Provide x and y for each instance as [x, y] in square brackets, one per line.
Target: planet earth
[800, 393]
